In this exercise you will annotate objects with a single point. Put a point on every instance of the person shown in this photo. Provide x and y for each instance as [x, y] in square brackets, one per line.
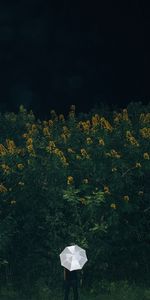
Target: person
[70, 281]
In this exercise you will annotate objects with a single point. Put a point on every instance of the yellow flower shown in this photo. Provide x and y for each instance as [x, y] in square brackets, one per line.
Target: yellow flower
[113, 205]
[61, 117]
[125, 115]
[24, 135]
[3, 189]
[101, 142]
[126, 198]
[46, 131]
[10, 146]
[85, 180]
[138, 165]
[105, 124]
[84, 153]
[31, 150]
[65, 134]
[145, 118]
[114, 153]
[117, 117]
[89, 141]
[146, 156]
[106, 190]
[60, 154]
[145, 132]
[20, 166]
[29, 141]
[95, 120]
[85, 126]
[51, 146]
[131, 138]
[33, 127]
[50, 123]
[65, 129]
[57, 151]
[6, 168]
[69, 180]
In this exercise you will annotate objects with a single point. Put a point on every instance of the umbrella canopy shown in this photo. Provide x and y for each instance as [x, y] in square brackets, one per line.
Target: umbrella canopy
[73, 257]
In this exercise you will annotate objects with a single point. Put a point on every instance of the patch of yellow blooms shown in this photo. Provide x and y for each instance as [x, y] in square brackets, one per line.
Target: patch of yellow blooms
[65, 133]
[46, 131]
[70, 180]
[51, 148]
[131, 139]
[20, 166]
[106, 190]
[145, 132]
[61, 118]
[29, 146]
[10, 146]
[89, 141]
[145, 118]
[122, 116]
[126, 198]
[101, 142]
[113, 153]
[5, 168]
[85, 126]
[146, 156]
[84, 153]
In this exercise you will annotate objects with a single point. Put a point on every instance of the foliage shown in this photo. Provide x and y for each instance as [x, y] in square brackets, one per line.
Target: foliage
[82, 180]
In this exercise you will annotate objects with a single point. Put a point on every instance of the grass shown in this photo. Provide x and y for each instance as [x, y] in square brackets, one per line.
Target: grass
[104, 291]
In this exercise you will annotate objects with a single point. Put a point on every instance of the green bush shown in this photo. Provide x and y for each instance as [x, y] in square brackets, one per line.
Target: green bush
[83, 179]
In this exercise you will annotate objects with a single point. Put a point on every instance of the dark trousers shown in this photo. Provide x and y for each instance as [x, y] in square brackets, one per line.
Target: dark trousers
[71, 284]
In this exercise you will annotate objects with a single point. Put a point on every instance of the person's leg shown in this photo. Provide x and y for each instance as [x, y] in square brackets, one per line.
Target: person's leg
[75, 290]
[67, 289]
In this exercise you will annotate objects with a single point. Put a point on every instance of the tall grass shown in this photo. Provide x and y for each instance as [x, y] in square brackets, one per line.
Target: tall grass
[105, 291]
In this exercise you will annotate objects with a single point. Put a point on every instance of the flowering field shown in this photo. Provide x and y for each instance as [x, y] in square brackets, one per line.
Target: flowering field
[82, 179]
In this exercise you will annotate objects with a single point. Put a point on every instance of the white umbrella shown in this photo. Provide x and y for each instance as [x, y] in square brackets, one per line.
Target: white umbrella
[73, 257]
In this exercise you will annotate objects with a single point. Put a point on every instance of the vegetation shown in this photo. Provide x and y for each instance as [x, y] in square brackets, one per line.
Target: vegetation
[82, 179]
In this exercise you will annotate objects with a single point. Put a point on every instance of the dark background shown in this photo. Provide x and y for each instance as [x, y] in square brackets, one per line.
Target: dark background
[54, 54]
